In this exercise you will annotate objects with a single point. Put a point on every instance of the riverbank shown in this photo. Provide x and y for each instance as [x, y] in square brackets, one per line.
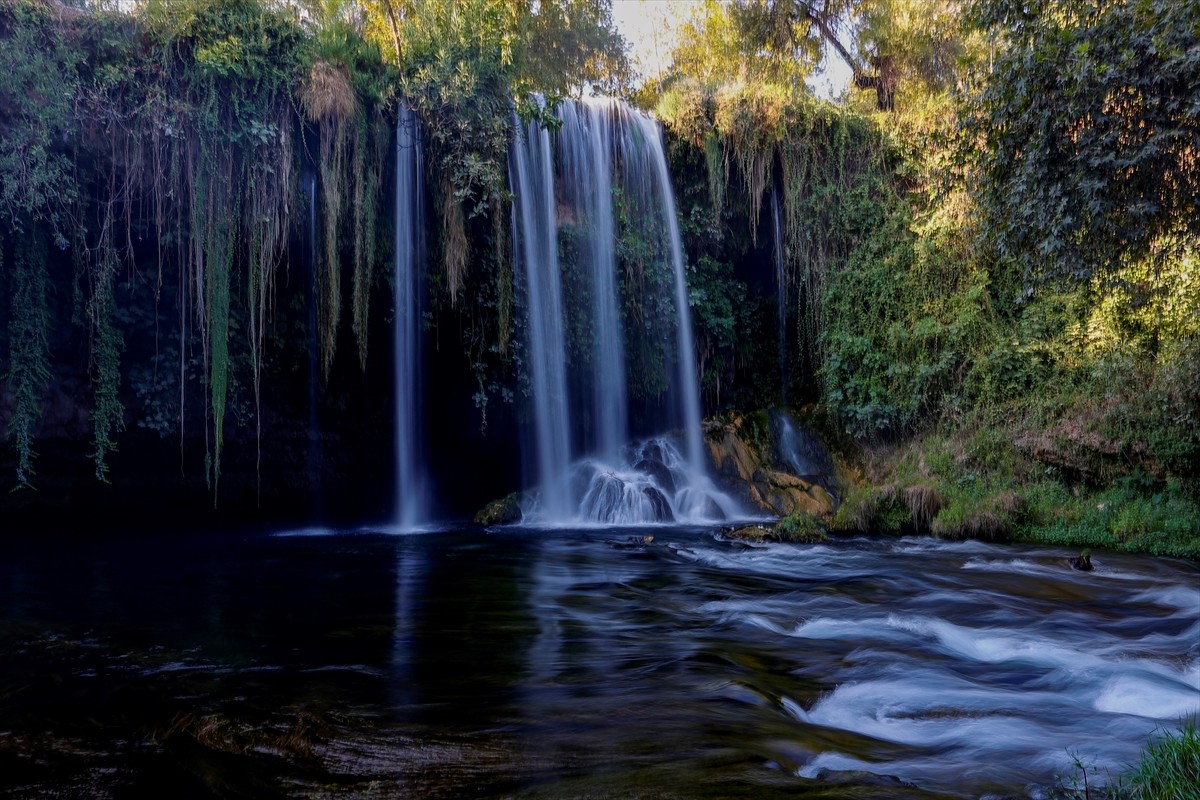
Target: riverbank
[999, 476]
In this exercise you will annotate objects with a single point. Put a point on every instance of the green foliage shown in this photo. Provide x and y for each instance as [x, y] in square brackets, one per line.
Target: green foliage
[645, 286]
[29, 357]
[724, 322]
[800, 527]
[830, 169]
[40, 66]
[904, 324]
[456, 77]
[719, 45]
[1084, 133]
[884, 42]
[108, 413]
[1169, 768]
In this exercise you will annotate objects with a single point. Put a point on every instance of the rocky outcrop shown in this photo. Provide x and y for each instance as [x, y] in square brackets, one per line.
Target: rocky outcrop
[1078, 447]
[744, 456]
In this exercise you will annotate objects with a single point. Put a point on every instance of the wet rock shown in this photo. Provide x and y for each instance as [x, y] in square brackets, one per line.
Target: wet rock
[632, 542]
[505, 511]
[1082, 562]
[748, 533]
[659, 472]
[746, 462]
[660, 508]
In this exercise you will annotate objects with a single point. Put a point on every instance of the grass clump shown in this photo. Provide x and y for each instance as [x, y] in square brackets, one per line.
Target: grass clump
[1168, 770]
[991, 516]
[801, 527]
[872, 509]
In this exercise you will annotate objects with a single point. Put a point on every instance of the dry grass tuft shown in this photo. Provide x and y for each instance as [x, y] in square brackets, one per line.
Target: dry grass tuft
[455, 246]
[328, 95]
[1008, 502]
[991, 518]
[923, 503]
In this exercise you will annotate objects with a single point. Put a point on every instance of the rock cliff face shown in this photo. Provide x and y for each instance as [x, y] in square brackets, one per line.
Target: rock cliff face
[752, 459]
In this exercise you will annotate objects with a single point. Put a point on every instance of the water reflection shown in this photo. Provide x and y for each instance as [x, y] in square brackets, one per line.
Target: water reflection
[580, 663]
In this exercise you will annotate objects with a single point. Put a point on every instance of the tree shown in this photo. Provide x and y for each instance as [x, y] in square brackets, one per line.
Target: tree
[1086, 132]
[714, 48]
[883, 41]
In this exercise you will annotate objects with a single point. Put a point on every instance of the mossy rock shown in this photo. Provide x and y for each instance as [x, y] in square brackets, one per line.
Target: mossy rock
[800, 527]
[505, 511]
[749, 533]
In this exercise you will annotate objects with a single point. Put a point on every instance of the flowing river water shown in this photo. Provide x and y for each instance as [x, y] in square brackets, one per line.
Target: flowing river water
[584, 663]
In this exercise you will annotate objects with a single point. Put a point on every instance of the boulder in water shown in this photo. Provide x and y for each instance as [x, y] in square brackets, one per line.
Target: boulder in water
[659, 472]
[660, 508]
[748, 533]
[1083, 562]
[505, 511]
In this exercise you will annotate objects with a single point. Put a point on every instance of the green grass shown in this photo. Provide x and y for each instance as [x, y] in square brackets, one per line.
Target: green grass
[1169, 768]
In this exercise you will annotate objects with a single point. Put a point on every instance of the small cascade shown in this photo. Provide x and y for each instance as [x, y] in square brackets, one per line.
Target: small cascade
[601, 142]
[650, 483]
[780, 288]
[800, 452]
[647, 161]
[411, 498]
[535, 233]
[315, 454]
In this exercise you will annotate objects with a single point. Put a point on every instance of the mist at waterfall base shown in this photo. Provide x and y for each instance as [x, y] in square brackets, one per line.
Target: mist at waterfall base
[559, 663]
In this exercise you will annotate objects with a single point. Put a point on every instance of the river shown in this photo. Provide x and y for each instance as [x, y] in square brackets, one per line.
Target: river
[580, 663]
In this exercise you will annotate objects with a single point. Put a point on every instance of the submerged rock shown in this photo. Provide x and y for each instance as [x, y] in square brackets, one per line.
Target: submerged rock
[505, 511]
[748, 533]
[1082, 562]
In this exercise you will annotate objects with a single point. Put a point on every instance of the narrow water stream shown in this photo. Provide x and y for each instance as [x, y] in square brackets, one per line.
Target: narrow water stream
[580, 664]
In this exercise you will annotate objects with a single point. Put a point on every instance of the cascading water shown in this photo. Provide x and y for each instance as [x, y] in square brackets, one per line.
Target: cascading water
[618, 483]
[689, 387]
[535, 237]
[780, 289]
[411, 508]
[315, 453]
[585, 156]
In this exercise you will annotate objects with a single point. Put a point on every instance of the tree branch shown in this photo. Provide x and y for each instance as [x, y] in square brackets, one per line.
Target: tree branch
[828, 33]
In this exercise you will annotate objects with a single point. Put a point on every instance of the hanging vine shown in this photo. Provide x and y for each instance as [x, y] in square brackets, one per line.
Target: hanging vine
[370, 151]
[29, 347]
[329, 102]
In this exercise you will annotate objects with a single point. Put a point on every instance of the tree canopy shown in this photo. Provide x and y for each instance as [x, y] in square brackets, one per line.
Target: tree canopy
[1087, 129]
[884, 42]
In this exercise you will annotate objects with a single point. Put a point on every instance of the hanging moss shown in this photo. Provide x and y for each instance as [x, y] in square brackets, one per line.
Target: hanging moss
[107, 411]
[29, 348]
[455, 244]
[369, 153]
[504, 279]
[329, 101]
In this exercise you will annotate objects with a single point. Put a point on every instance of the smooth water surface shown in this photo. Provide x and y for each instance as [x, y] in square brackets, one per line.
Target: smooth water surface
[579, 664]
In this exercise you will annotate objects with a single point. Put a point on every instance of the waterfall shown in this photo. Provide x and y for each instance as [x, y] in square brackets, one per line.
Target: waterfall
[780, 289]
[599, 143]
[411, 508]
[689, 387]
[314, 452]
[535, 236]
[585, 146]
